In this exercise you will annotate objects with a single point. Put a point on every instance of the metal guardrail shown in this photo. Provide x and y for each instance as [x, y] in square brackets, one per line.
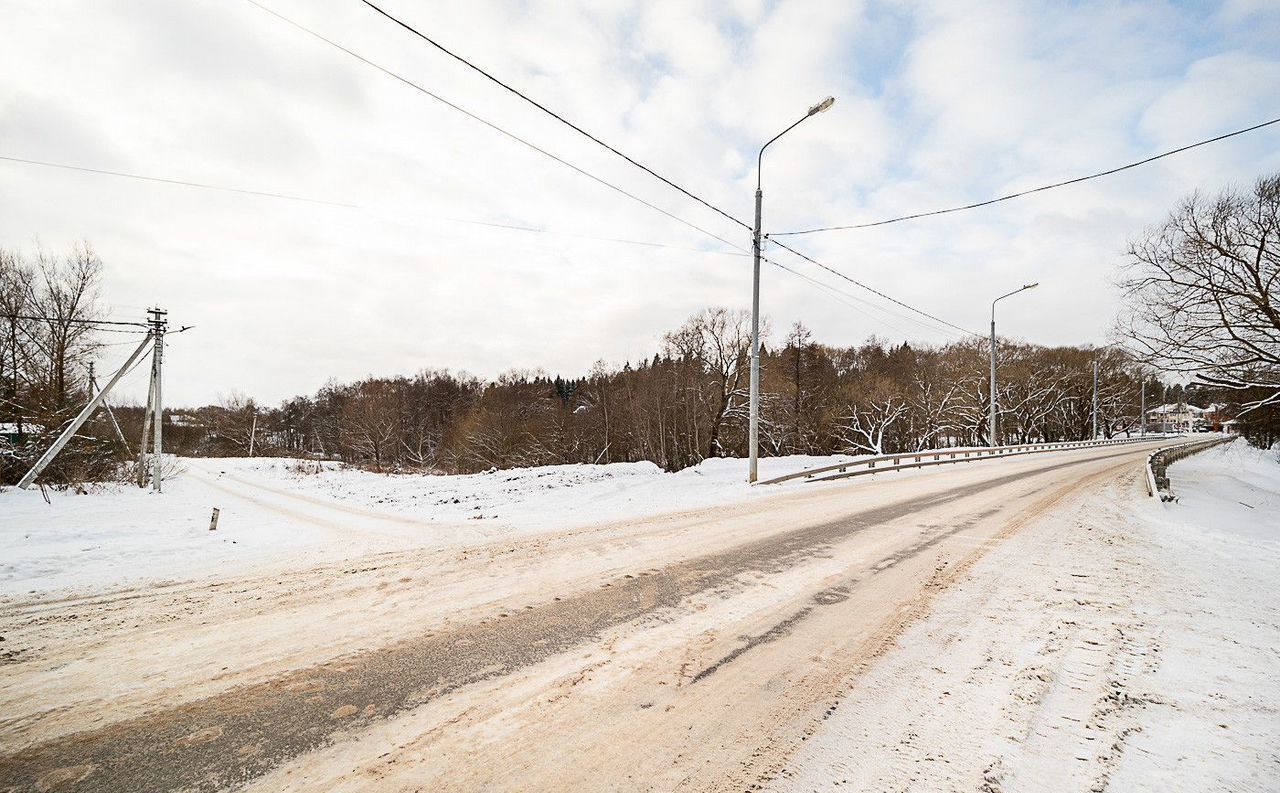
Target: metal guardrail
[1159, 461]
[921, 459]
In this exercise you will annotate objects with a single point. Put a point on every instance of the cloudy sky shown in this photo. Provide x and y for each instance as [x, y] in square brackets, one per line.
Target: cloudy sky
[937, 104]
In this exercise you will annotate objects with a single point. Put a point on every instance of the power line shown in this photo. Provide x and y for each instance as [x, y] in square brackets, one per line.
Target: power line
[552, 113]
[581, 131]
[865, 304]
[74, 321]
[861, 285]
[1041, 189]
[284, 196]
[116, 343]
[122, 330]
[484, 121]
[180, 182]
[223, 188]
[556, 232]
[147, 325]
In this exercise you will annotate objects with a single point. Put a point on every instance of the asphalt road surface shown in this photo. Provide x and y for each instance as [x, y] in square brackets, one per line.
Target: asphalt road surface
[691, 651]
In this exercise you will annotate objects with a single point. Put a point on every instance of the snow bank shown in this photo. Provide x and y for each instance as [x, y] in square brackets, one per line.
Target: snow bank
[1218, 549]
[287, 512]
[516, 499]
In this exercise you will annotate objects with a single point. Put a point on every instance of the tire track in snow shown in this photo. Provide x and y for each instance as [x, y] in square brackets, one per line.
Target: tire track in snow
[232, 738]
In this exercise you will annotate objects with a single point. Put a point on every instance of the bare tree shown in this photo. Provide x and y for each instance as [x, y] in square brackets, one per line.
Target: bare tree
[68, 293]
[17, 292]
[1201, 291]
[45, 347]
[234, 423]
[370, 419]
[718, 339]
[870, 415]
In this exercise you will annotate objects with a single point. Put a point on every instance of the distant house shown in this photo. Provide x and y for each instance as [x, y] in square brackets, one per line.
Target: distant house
[1179, 417]
[9, 432]
[1219, 419]
[1182, 417]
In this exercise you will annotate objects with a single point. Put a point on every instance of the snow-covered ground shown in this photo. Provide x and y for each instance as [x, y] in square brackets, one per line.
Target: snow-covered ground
[1026, 624]
[1123, 644]
[288, 512]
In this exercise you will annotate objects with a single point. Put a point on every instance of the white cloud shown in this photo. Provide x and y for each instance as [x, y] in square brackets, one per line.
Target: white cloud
[936, 104]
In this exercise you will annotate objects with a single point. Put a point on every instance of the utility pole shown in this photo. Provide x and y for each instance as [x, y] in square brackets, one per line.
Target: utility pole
[1164, 413]
[753, 433]
[80, 419]
[253, 430]
[1095, 399]
[146, 427]
[1143, 401]
[159, 324]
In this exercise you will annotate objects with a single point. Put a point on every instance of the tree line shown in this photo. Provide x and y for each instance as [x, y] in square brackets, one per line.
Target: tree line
[689, 402]
[1200, 304]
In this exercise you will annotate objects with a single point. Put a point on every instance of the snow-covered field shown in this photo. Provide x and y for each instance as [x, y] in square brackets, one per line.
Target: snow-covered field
[288, 512]
[1125, 645]
[1023, 624]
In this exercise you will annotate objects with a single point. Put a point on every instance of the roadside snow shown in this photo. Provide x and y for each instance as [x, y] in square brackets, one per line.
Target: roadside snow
[1118, 644]
[517, 499]
[1217, 725]
[279, 512]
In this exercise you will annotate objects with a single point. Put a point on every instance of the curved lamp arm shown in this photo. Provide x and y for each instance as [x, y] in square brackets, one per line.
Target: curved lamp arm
[813, 111]
[1024, 288]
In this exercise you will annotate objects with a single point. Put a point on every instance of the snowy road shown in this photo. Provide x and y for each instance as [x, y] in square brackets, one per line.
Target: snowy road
[692, 651]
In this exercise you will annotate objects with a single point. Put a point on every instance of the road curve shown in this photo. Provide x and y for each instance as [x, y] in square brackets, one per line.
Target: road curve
[803, 591]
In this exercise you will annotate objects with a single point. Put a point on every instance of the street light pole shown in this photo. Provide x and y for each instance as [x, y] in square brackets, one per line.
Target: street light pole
[1095, 400]
[753, 441]
[991, 408]
[1143, 401]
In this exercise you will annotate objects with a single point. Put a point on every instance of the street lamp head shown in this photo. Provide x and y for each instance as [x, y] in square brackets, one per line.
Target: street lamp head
[1031, 286]
[822, 106]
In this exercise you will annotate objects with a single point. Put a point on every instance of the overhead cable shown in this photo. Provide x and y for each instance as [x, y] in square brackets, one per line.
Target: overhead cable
[1041, 189]
[181, 182]
[484, 121]
[552, 113]
[581, 131]
[861, 285]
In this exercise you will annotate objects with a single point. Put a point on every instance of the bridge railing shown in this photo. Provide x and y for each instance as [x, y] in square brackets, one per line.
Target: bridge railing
[1160, 460]
[895, 462]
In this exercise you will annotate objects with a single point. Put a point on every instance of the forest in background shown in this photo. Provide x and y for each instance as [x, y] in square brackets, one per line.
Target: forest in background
[1199, 305]
[689, 402]
[686, 403]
